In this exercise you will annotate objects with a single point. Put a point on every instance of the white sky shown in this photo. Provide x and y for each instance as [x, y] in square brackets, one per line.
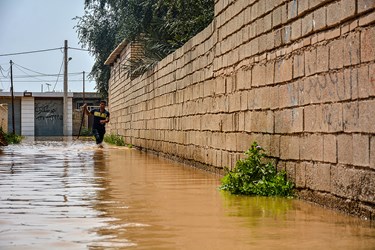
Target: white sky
[29, 25]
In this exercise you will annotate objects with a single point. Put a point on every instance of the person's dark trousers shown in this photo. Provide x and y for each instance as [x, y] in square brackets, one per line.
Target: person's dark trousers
[99, 135]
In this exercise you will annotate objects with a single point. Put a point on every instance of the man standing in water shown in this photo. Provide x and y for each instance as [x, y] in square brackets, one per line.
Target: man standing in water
[101, 117]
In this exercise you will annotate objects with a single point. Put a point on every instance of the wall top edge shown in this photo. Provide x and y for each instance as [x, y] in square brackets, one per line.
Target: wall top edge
[116, 52]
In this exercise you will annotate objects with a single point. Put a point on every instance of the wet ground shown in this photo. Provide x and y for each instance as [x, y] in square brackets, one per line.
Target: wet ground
[71, 195]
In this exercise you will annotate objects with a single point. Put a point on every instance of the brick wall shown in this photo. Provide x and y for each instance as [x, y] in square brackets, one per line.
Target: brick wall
[297, 76]
[4, 117]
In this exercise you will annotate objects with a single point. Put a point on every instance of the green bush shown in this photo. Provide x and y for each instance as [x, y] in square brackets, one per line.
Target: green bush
[85, 132]
[255, 175]
[11, 138]
[114, 139]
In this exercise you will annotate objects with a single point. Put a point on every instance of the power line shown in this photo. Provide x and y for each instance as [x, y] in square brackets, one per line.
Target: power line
[29, 52]
[44, 75]
[29, 69]
[62, 63]
[19, 67]
[79, 49]
[49, 80]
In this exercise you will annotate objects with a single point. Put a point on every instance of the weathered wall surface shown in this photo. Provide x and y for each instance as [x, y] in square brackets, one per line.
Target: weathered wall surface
[4, 117]
[297, 76]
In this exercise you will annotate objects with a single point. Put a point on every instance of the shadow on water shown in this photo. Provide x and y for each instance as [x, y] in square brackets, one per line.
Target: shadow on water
[68, 194]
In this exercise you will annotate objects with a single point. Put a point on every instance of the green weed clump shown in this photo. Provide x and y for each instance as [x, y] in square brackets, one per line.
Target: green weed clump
[114, 139]
[10, 138]
[85, 131]
[255, 175]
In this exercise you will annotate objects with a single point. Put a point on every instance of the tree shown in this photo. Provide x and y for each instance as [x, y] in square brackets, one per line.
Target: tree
[161, 26]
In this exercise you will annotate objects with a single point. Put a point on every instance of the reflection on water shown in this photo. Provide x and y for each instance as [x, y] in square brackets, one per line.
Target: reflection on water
[68, 194]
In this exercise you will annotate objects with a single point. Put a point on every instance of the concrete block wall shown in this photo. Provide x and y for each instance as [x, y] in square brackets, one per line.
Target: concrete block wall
[4, 117]
[297, 76]
[28, 116]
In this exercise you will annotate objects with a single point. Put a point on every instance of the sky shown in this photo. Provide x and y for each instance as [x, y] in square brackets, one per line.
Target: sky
[34, 25]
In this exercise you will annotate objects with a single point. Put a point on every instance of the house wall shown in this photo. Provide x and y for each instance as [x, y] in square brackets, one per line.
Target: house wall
[28, 116]
[4, 117]
[297, 76]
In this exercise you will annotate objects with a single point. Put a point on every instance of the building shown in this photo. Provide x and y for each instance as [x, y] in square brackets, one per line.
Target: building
[42, 113]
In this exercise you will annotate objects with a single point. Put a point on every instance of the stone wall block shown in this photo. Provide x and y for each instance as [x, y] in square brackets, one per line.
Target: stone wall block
[231, 141]
[262, 121]
[352, 49]
[365, 5]
[318, 177]
[290, 168]
[336, 52]
[312, 147]
[313, 118]
[289, 147]
[332, 118]
[333, 15]
[366, 116]
[258, 75]
[319, 19]
[292, 9]
[348, 9]
[311, 61]
[329, 148]
[345, 149]
[243, 79]
[368, 45]
[244, 141]
[284, 70]
[307, 24]
[298, 65]
[361, 150]
[367, 187]
[289, 120]
[296, 29]
[322, 58]
[372, 152]
[351, 117]
[289, 95]
[333, 88]
[352, 183]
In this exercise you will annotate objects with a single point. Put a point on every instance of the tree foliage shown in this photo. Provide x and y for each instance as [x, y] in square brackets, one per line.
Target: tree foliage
[161, 25]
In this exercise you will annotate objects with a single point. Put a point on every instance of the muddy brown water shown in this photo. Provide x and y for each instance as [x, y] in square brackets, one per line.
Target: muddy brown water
[71, 195]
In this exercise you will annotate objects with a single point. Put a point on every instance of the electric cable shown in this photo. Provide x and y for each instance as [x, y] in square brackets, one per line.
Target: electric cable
[29, 69]
[78, 49]
[30, 52]
[20, 69]
[62, 63]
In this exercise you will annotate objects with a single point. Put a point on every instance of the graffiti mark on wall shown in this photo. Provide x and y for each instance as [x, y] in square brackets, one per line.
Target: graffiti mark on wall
[47, 112]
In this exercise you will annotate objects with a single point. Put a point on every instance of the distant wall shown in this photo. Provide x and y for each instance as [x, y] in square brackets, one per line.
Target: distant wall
[4, 117]
[296, 76]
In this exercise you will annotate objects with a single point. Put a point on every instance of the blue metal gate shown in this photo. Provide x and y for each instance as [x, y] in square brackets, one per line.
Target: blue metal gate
[49, 117]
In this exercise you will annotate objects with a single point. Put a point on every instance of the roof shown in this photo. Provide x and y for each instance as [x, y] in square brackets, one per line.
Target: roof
[116, 52]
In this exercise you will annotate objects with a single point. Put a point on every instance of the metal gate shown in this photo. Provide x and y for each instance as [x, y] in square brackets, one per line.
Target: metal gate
[49, 117]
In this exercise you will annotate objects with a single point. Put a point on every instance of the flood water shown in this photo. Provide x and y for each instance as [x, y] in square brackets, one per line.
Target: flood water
[71, 195]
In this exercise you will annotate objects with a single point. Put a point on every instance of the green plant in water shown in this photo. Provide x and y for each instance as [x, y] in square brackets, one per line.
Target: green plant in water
[85, 132]
[114, 139]
[11, 138]
[254, 175]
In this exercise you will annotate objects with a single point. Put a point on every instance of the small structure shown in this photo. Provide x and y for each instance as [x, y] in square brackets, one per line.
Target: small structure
[42, 113]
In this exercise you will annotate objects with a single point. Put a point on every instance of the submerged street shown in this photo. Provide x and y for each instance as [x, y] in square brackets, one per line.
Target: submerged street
[71, 195]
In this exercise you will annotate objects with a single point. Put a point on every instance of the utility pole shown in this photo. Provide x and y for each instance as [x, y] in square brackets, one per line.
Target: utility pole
[83, 87]
[65, 114]
[11, 90]
[83, 110]
[83, 94]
